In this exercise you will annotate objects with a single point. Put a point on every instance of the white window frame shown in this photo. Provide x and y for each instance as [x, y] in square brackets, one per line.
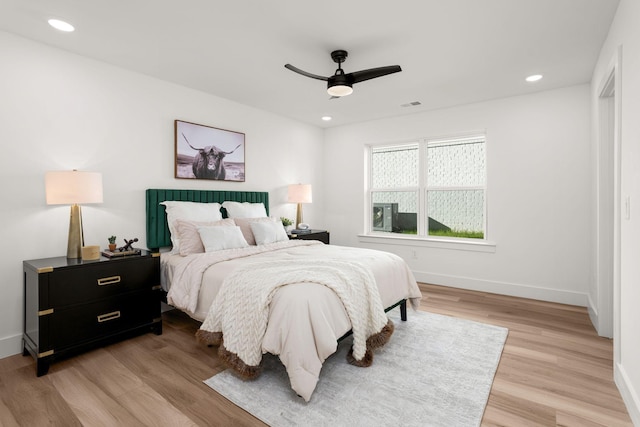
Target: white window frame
[423, 238]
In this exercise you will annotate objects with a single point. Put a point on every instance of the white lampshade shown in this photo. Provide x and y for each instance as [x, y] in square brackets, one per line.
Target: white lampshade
[72, 188]
[300, 193]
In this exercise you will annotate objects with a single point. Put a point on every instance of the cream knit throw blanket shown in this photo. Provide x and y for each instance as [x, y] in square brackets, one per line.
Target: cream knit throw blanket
[241, 308]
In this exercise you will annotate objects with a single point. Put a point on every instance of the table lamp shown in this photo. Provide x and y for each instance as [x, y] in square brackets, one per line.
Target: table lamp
[299, 193]
[73, 188]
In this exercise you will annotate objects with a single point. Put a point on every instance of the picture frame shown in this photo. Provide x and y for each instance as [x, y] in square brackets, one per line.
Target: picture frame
[206, 152]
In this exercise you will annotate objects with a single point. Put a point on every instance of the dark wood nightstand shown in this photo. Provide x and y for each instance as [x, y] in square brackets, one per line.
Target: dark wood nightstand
[73, 305]
[322, 235]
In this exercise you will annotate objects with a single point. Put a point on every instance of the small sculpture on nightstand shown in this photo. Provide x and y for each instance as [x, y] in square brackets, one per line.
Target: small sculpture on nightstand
[128, 246]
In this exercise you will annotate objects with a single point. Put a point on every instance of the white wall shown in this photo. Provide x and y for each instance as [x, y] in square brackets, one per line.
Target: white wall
[539, 189]
[625, 33]
[61, 111]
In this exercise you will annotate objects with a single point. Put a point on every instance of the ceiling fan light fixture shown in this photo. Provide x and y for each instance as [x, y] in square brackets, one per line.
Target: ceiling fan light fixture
[340, 90]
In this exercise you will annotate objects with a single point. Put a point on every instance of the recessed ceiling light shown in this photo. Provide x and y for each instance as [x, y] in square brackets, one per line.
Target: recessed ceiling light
[326, 118]
[534, 78]
[61, 25]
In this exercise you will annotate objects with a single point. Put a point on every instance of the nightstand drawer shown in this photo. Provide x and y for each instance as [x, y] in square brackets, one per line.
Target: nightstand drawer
[79, 285]
[73, 326]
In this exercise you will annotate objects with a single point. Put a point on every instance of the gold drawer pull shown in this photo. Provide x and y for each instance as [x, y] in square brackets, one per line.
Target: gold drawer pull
[108, 280]
[108, 316]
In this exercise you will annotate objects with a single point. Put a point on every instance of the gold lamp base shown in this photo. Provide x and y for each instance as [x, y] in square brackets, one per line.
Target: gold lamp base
[76, 238]
[299, 215]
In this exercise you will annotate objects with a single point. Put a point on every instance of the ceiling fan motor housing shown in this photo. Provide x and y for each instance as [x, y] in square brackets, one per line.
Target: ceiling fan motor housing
[339, 56]
[340, 84]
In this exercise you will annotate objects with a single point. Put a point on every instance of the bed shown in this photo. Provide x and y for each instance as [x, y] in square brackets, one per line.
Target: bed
[307, 311]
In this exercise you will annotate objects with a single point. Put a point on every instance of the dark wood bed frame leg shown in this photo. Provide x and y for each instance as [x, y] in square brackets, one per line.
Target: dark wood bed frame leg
[403, 315]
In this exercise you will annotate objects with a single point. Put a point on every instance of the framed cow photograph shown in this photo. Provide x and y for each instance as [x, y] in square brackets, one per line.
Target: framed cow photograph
[205, 152]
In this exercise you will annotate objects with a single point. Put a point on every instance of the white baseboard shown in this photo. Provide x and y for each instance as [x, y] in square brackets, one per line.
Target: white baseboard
[504, 288]
[628, 393]
[593, 311]
[591, 306]
[10, 345]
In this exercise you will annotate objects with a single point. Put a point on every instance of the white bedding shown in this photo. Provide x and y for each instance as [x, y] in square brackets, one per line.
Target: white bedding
[305, 319]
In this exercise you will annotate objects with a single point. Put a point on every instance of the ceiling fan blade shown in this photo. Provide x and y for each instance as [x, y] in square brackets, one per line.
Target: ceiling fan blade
[372, 73]
[304, 73]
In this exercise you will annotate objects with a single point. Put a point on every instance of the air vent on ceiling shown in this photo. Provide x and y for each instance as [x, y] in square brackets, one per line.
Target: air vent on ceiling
[412, 104]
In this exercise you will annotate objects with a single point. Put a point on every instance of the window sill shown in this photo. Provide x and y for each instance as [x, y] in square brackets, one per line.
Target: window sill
[430, 242]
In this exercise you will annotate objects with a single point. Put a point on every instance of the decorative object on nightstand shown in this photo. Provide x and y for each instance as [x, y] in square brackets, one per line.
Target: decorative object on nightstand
[74, 305]
[91, 253]
[128, 246]
[112, 243]
[287, 224]
[310, 234]
[73, 188]
[299, 193]
[125, 250]
[302, 229]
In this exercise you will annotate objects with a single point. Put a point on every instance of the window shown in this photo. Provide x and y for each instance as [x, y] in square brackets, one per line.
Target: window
[429, 188]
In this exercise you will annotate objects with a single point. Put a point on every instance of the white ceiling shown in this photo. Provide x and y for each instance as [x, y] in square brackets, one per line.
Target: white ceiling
[452, 52]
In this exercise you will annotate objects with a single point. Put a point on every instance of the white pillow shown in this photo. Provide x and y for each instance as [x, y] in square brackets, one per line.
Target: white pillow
[190, 242]
[244, 210]
[216, 238]
[268, 232]
[188, 211]
[245, 226]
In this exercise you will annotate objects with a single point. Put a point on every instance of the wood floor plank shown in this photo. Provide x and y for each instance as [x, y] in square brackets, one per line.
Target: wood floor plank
[89, 402]
[507, 410]
[530, 354]
[572, 420]
[12, 363]
[560, 402]
[6, 416]
[100, 367]
[177, 376]
[559, 380]
[126, 388]
[554, 371]
[34, 401]
[152, 409]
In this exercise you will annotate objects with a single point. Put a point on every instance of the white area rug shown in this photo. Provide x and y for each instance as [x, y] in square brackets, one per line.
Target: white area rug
[435, 371]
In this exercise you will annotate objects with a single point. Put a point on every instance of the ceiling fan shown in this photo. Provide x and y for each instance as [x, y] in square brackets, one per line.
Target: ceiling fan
[341, 84]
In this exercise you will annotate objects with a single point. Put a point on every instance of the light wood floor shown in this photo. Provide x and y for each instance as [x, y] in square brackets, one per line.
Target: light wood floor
[554, 371]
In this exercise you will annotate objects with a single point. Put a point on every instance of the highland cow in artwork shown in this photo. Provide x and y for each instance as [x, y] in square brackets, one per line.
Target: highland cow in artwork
[203, 152]
[209, 162]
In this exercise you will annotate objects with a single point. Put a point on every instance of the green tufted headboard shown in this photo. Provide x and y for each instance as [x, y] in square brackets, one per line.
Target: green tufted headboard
[158, 235]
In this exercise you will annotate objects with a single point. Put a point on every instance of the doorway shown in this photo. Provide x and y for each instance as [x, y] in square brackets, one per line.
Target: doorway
[608, 200]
